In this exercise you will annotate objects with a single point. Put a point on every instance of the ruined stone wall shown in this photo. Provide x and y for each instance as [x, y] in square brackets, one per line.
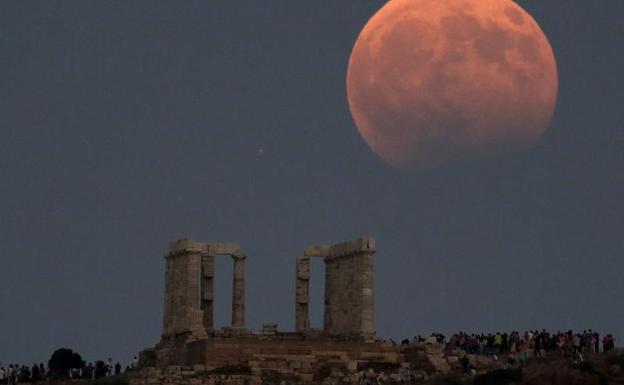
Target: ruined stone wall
[349, 294]
[207, 287]
[300, 357]
[270, 359]
[302, 295]
[182, 312]
[177, 375]
[189, 288]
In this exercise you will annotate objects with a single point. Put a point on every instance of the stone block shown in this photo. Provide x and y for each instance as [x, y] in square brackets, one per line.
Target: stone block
[185, 245]
[317, 251]
[220, 248]
[365, 244]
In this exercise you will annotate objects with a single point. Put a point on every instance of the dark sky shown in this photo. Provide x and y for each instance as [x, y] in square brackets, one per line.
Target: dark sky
[129, 124]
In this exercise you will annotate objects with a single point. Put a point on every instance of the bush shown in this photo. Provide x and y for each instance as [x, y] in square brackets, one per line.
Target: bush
[63, 360]
[499, 377]
[585, 367]
[107, 381]
[616, 359]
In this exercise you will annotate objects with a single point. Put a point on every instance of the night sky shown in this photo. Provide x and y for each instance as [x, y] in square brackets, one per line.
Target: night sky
[129, 124]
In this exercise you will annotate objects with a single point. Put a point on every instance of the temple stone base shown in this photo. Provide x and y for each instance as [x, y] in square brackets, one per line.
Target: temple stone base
[252, 359]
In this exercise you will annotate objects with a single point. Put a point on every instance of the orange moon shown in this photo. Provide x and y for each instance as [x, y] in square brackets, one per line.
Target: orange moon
[432, 81]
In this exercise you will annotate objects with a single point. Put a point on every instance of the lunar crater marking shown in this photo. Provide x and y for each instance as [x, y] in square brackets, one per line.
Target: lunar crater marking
[514, 15]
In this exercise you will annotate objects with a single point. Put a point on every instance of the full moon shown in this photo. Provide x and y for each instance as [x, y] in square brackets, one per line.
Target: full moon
[433, 81]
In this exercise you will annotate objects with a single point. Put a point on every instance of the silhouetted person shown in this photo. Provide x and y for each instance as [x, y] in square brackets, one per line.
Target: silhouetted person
[25, 377]
[100, 369]
[35, 374]
[117, 369]
[465, 362]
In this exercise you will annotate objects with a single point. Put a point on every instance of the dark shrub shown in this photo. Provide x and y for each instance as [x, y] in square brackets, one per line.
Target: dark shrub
[63, 360]
[499, 377]
[616, 358]
[585, 367]
[100, 369]
[107, 381]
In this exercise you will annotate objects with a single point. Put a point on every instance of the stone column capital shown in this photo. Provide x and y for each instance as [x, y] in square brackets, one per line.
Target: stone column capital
[239, 257]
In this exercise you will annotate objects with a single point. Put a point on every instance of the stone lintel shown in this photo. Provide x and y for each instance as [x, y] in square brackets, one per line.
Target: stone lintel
[317, 251]
[220, 248]
[187, 245]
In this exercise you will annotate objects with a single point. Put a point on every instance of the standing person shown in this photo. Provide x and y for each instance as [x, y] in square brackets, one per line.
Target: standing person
[18, 374]
[100, 369]
[3, 375]
[522, 358]
[117, 369]
[13, 374]
[498, 343]
[25, 374]
[537, 347]
[465, 362]
[576, 343]
[34, 372]
[610, 345]
[109, 367]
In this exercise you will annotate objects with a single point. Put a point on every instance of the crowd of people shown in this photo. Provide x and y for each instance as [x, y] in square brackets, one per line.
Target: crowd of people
[14, 373]
[540, 342]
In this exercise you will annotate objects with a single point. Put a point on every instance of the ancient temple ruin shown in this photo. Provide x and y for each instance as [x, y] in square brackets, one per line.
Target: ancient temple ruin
[189, 336]
[192, 351]
[189, 289]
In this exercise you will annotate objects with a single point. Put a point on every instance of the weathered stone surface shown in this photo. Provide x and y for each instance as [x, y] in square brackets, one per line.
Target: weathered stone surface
[349, 288]
[302, 294]
[317, 251]
[189, 288]
[190, 341]
[238, 292]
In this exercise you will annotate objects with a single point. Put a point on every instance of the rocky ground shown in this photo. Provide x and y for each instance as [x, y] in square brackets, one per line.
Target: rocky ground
[597, 369]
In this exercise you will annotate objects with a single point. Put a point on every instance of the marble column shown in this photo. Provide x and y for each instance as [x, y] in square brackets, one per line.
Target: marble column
[330, 277]
[194, 314]
[238, 292]
[302, 295]
[207, 291]
[366, 286]
[168, 302]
